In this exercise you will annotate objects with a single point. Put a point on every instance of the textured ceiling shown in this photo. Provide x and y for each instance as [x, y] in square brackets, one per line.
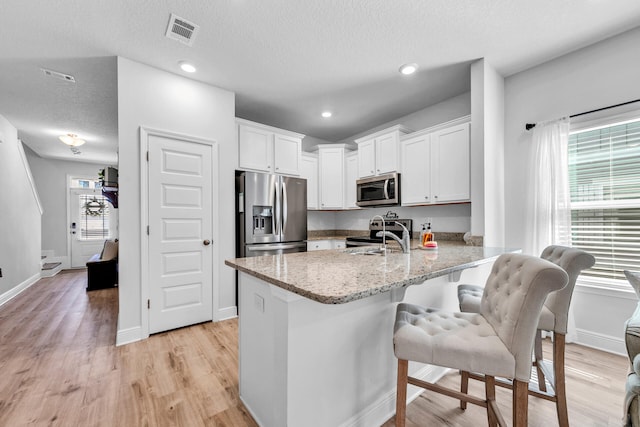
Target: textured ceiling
[285, 60]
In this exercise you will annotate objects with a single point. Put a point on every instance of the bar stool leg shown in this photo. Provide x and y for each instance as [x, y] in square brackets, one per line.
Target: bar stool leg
[538, 355]
[490, 396]
[520, 403]
[558, 373]
[401, 392]
[464, 387]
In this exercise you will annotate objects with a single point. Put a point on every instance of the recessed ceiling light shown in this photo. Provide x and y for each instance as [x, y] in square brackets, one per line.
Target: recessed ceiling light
[327, 114]
[186, 67]
[407, 69]
[71, 139]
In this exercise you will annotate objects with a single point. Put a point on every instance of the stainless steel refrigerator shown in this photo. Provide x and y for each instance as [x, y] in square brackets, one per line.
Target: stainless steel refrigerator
[271, 214]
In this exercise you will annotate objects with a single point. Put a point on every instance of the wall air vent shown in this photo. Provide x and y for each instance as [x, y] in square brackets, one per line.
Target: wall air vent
[181, 30]
[57, 75]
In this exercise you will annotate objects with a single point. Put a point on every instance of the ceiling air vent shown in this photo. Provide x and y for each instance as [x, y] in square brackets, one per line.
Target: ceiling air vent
[57, 75]
[181, 30]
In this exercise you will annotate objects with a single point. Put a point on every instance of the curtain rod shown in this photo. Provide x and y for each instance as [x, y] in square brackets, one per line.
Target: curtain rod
[530, 126]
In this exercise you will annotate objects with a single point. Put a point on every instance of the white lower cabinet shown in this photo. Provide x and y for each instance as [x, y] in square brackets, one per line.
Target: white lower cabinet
[436, 166]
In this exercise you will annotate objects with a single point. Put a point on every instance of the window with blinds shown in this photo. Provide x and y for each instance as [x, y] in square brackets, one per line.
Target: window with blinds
[94, 217]
[604, 180]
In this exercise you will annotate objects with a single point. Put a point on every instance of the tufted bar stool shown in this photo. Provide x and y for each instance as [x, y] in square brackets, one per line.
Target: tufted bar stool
[496, 341]
[553, 317]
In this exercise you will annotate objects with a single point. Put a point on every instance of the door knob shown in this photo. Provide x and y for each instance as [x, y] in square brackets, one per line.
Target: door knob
[207, 242]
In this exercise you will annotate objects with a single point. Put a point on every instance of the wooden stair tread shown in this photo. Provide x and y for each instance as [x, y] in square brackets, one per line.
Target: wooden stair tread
[50, 265]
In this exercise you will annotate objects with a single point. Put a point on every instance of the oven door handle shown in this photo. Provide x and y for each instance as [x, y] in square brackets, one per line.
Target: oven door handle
[386, 189]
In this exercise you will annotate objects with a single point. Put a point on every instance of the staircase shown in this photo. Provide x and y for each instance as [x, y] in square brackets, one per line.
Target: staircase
[49, 269]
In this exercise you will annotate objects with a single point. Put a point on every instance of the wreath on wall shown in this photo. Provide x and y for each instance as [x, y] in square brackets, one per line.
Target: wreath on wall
[94, 207]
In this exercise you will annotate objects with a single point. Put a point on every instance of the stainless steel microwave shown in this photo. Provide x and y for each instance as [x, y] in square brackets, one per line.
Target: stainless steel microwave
[381, 190]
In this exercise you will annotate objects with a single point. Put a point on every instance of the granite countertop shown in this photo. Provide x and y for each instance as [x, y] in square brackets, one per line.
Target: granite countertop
[338, 276]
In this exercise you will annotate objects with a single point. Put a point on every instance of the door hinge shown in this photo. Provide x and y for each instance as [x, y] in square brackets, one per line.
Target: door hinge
[148, 304]
[147, 156]
[147, 230]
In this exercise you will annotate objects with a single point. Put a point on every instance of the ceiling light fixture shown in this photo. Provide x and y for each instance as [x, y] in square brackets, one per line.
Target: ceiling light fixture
[408, 69]
[327, 114]
[186, 67]
[72, 140]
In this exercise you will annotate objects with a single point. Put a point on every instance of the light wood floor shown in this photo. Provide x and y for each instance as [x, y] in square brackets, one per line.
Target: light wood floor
[59, 366]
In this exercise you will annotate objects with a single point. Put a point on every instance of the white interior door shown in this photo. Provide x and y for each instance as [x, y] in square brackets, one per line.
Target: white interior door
[180, 233]
[90, 218]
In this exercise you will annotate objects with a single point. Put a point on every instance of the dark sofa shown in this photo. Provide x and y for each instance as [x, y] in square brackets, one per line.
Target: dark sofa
[102, 268]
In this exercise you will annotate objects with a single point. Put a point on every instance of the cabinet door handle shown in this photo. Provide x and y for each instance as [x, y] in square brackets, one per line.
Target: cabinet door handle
[435, 197]
[426, 197]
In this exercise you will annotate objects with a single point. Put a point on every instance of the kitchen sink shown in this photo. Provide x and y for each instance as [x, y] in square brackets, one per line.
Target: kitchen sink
[369, 250]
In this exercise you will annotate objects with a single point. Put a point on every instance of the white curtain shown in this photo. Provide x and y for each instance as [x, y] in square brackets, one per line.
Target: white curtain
[549, 210]
[549, 213]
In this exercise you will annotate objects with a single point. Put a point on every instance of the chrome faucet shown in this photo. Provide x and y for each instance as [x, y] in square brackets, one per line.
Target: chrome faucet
[384, 231]
[405, 243]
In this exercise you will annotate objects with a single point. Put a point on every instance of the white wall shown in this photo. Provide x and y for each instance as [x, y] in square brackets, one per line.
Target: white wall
[50, 177]
[19, 218]
[160, 100]
[449, 218]
[597, 76]
[487, 154]
[453, 108]
[310, 143]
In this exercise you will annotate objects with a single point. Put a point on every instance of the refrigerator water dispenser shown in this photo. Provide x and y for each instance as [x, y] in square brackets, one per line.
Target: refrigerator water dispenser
[262, 220]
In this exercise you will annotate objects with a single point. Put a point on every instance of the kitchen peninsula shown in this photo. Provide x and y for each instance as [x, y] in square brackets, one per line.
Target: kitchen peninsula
[315, 330]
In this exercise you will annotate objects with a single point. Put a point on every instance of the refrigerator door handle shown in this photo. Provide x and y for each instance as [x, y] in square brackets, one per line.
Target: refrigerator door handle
[284, 206]
[271, 247]
[278, 214]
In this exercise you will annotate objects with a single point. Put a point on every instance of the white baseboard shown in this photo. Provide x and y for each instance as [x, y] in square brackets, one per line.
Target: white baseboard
[601, 342]
[385, 408]
[127, 336]
[226, 313]
[21, 287]
[52, 272]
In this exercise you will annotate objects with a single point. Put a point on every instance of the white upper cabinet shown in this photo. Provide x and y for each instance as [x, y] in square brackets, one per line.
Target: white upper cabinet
[367, 158]
[350, 177]
[268, 149]
[309, 171]
[287, 151]
[436, 165]
[450, 159]
[416, 168]
[256, 148]
[331, 166]
[379, 153]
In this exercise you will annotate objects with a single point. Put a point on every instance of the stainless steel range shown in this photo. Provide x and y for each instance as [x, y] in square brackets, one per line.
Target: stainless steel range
[376, 226]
